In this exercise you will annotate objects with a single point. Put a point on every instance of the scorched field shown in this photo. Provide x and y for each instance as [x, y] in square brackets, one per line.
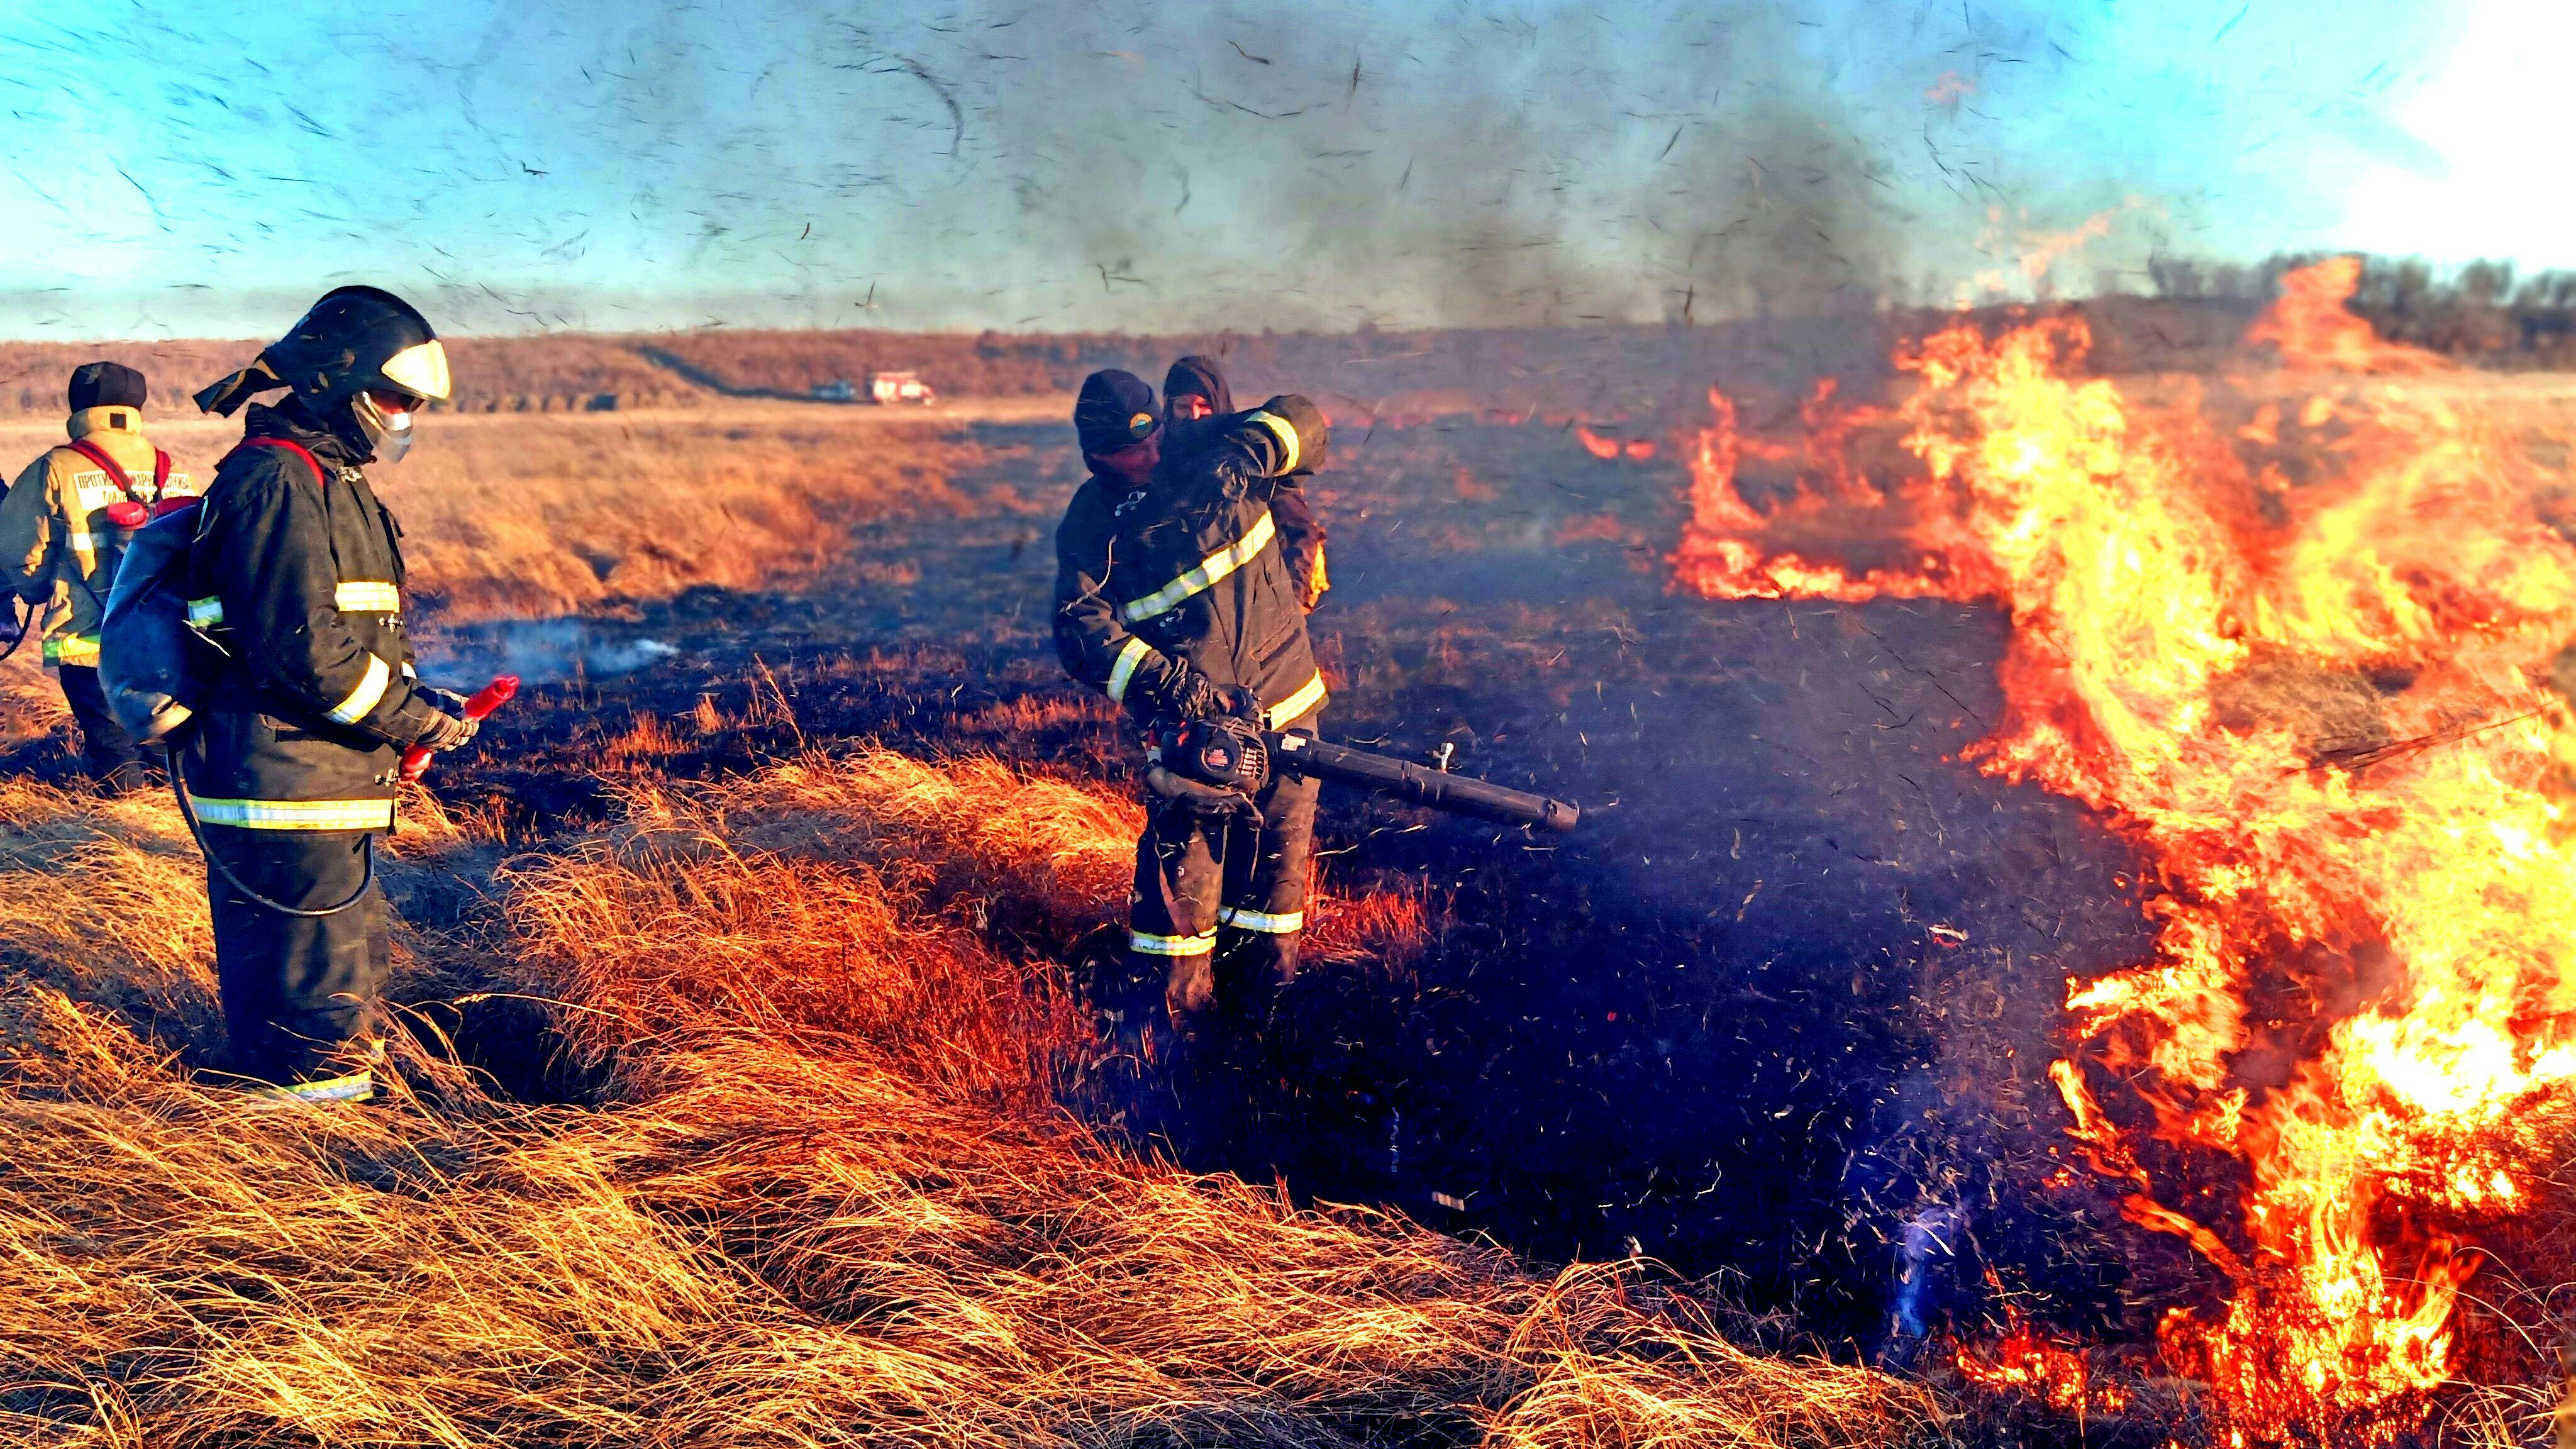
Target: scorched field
[2063, 948]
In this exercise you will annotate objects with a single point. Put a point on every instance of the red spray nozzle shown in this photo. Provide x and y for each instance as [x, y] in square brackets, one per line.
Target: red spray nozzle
[415, 761]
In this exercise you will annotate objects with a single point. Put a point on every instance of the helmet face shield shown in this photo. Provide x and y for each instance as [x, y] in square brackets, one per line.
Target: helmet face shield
[421, 370]
[387, 422]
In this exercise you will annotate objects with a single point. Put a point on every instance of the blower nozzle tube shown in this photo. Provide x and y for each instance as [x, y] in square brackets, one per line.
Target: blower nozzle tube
[1419, 784]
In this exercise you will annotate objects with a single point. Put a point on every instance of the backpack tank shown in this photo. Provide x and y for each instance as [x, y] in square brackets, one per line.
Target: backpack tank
[153, 665]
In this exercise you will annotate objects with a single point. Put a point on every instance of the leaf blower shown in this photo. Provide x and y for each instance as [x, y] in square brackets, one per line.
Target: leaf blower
[1236, 757]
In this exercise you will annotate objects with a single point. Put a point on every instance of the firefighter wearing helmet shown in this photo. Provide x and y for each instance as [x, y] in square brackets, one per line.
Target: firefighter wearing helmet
[291, 768]
[64, 528]
[1175, 597]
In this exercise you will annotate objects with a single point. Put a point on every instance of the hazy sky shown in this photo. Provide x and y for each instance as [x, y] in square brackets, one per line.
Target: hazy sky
[193, 169]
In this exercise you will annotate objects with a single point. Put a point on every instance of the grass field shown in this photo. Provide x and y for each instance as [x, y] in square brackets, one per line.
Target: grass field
[752, 1093]
[738, 1109]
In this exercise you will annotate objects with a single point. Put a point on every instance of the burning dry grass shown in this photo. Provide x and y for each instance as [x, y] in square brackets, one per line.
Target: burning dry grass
[819, 1196]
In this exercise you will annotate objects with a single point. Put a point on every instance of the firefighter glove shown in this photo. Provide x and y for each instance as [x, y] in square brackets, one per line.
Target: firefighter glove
[447, 731]
[445, 699]
[1198, 799]
[1190, 696]
[1307, 437]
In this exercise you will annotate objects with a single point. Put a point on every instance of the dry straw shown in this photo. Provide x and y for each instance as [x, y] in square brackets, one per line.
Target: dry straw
[820, 1194]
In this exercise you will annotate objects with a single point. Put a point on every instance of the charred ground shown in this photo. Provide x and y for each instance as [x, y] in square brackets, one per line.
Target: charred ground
[1788, 991]
[1790, 985]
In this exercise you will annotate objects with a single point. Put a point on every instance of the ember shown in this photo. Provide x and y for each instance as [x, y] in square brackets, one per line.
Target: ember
[2302, 662]
[2023, 1362]
[1603, 446]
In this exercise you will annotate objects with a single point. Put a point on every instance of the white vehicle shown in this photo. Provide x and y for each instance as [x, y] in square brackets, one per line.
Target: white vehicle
[889, 388]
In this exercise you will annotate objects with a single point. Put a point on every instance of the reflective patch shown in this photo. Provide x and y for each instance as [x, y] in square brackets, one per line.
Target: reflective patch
[356, 1087]
[1287, 437]
[82, 540]
[1149, 944]
[92, 499]
[363, 698]
[73, 649]
[422, 368]
[181, 486]
[297, 814]
[1123, 673]
[366, 597]
[1285, 923]
[1309, 695]
[1203, 578]
[205, 613]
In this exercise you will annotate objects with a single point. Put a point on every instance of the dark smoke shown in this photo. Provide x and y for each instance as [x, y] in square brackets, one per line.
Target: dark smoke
[1154, 166]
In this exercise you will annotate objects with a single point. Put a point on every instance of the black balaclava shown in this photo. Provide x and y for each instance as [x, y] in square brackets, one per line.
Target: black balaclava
[1199, 377]
[106, 385]
[1115, 410]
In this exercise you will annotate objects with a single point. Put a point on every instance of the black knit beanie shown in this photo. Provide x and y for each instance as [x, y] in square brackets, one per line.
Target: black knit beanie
[106, 385]
[1114, 410]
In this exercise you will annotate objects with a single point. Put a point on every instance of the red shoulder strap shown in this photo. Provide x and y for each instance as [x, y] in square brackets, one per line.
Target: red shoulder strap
[98, 455]
[160, 471]
[321, 475]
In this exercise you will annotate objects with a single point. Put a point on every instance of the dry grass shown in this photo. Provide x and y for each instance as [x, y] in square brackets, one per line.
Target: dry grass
[821, 1197]
[510, 516]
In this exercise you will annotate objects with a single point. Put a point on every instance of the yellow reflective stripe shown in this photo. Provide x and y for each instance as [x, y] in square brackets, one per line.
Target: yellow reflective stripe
[1122, 673]
[205, 613]
[355, 1087]
[1199, 580]
[1287, 437]
[1308, 696]
[72, 649]
[1153, 945]
[364, 697]
[367, 598]
[297, 814]
[1263, 921]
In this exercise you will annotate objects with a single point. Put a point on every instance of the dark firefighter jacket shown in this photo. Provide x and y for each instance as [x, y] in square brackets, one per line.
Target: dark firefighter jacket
[1188, 568]
[1301, 540]
[298, 580]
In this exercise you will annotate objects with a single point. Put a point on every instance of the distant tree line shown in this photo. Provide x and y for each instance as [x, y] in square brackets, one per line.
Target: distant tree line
[2483, 313]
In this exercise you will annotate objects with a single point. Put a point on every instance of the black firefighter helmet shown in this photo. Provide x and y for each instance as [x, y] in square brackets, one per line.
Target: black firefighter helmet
[362, 360]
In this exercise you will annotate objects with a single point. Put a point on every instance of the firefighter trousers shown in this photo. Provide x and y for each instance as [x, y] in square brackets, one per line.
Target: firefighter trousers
[300, 993]
[1219, 906]
[107, 752]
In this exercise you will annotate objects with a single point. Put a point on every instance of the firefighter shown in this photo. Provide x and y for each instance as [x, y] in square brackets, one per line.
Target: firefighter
[1195, 388]
[291, 768]
[63, 529]
[1175, 599]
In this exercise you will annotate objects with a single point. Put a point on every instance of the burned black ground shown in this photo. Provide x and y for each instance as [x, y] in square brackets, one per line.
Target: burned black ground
[1789, 985]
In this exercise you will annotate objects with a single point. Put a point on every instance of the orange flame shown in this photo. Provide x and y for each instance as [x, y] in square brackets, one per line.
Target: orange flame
[1604, 447]
[2315, 332]
[2023, 1362]
[2318, 706]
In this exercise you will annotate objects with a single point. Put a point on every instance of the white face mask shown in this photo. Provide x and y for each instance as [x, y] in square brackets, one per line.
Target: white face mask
[389, 434]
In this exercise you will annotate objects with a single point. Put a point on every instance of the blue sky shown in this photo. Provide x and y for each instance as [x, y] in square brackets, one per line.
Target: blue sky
[183, 169]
